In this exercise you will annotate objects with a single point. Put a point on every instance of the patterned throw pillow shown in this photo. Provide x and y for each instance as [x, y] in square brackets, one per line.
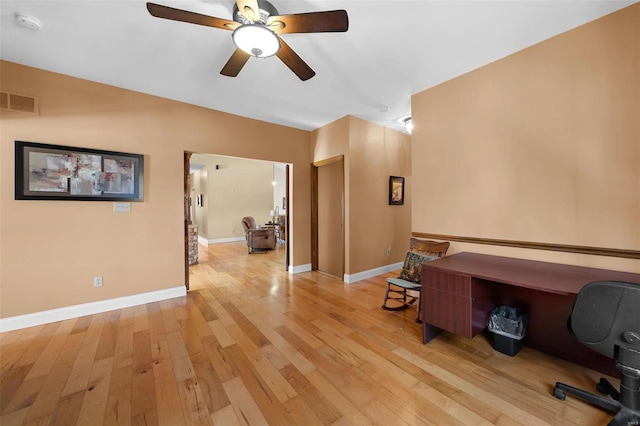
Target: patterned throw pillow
[426, 253]
[412, 268]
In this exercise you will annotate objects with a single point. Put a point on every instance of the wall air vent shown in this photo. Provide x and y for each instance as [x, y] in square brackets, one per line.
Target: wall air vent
[19, 103]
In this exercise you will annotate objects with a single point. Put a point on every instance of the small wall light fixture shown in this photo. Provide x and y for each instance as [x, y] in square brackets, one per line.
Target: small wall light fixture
[408, 125]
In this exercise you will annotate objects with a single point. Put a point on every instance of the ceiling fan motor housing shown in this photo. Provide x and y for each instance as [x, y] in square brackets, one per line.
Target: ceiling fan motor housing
[266, 10]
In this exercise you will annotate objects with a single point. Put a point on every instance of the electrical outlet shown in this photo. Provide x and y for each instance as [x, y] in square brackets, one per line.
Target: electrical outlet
[388, 251]
[97, 281]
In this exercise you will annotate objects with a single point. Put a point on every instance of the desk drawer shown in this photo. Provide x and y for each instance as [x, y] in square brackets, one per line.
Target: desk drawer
[455, 303]
[446, 281]
[448, 311]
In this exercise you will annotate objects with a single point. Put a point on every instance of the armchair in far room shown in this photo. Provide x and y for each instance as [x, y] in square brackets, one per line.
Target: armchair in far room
[397, 296]
[258, 239]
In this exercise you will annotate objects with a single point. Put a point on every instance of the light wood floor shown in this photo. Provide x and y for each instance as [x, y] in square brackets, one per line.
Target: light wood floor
[253, 345]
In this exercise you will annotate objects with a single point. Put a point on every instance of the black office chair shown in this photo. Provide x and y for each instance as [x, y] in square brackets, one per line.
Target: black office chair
[606, 318]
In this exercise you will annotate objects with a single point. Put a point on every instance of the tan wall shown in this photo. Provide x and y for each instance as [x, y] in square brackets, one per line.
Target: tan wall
[376, 153]
[238, 188]
[541, 146]
[372, 153]
[51, 250]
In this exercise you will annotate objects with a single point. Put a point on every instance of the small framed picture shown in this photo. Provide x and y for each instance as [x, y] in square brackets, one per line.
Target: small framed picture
[396, 190]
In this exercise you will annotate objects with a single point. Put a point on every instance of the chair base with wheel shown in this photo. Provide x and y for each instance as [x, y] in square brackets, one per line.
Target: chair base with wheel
[606, 318]
[625, 412]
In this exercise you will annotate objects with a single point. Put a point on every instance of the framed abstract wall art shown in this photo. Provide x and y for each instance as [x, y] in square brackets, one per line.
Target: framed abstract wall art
[56, 172]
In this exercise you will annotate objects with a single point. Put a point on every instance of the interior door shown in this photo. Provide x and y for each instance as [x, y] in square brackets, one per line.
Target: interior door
[330, 218]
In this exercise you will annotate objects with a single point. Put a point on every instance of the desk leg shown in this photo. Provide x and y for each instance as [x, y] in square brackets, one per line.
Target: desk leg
[429, 332]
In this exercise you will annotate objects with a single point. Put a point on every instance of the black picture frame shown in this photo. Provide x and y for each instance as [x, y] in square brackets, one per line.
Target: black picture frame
[58, 172]
[396, 190]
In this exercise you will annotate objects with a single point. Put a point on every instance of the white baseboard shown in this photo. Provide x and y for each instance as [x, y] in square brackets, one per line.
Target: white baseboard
[359, 276]
[220, 240]
[60, 314]
[300, 268]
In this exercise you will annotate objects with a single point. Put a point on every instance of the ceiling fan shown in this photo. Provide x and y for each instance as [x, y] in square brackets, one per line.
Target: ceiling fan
[257, 27]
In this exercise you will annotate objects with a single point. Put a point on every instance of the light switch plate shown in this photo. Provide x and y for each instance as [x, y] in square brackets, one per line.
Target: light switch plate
[121, 207]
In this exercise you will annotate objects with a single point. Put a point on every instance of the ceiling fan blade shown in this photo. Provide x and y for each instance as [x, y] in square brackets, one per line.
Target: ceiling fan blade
[249, 9]
[314, 22]
[294, 62]
[235, 63]
[166, 12]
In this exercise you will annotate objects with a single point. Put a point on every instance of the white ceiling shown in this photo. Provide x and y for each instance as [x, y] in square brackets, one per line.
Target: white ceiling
[393, 49]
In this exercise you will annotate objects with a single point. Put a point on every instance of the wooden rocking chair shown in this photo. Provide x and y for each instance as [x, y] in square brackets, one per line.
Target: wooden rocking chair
[397, 296]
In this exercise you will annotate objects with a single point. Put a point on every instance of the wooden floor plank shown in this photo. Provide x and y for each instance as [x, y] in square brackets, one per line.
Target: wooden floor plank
[10, 383]
[334, 395]
[118, 408]
[301, 412]
[48, 355]
[268, 372]
[95, 399]
[314, 400]
[264, 397]
[166, 387]
[83, 363]
[221, 333]
[12, 337]
[49, 396]
[245, 408]
[109, 336]
[143, 401]
[67, 409]
[14, 417]
[194, 405]
[37, 344]
[140, 319]
[218, 359]
[25, 396]
[226, 416]
[210, 383]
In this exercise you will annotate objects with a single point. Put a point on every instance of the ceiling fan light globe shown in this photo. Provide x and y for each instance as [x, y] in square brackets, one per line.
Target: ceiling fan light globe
[256, 40]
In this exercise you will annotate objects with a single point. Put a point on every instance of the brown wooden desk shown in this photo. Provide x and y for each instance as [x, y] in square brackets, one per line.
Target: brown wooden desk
[459, 291]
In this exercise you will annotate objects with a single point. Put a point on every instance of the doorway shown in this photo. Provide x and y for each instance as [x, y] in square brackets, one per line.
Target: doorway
[328, 217]
[220, 190]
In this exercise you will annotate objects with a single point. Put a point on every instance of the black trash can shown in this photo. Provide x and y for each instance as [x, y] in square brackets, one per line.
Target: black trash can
[508, 326]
